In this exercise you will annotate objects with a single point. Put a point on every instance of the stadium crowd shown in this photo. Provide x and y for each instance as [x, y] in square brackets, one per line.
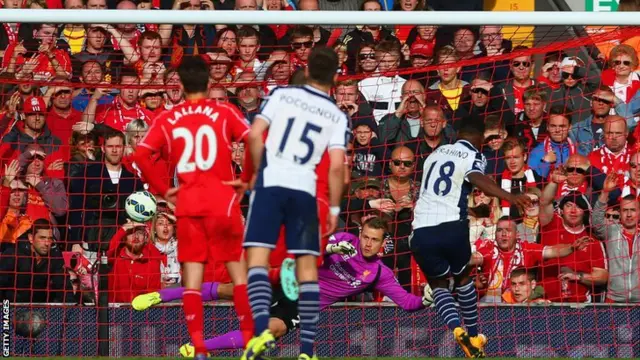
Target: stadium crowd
[77, 99]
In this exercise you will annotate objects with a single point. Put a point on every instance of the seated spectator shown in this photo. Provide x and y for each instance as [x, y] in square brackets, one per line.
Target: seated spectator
[61, 116]
[551, 74]
[464, 41]
[621, 77]
[163, 235]
[571, 94]
[226, 40]
[619, 239]
[268, 39]
[14, 221]
[531, 124]
[97, 47]
[220, 67]
[367, 34]
[405, 123]
[279, 71]
[529, 228]
[556, 149]
[484, 212]
[513, 90]
[422, 39]
[497, 259]
[574, 278]
[351, 101]
[517, 176]
[419, 56]
[615, 154]
[134, 133]
[366, 59]
[448, 92]
[434, 132]
[92, 74]
[34, 272]
[484, 100]
[47, 196]
[83, 149]
[343, 56]
[248, 47]
[612, 215]
[33, 129]
[589, 133]
[122, 110]
[320, 34]
[493, 43]
[278, 5]
[46, 60]
[368, 152]
[524, 288]
[494, 137]
[218, 93]
[130, 32]
[174, 94]
[97, 197]
[136, 263]
[13, 32]
[362, 193]
[237, 156]
[301, 44]
[152, 97]
[632, 185]
[247, 92]
[402, 31]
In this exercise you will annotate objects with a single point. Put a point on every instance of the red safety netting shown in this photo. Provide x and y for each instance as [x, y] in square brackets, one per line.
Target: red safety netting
[70, 92]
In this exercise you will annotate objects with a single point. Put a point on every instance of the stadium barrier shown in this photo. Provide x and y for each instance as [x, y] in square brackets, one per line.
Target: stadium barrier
[369, 330]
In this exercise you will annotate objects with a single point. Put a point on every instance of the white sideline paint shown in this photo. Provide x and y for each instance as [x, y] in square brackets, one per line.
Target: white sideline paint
[519, 18]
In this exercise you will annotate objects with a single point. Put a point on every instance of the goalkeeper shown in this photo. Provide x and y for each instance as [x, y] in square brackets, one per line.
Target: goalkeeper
[351, 267]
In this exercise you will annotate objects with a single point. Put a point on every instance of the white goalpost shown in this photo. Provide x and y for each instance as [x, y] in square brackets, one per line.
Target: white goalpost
[523, 18]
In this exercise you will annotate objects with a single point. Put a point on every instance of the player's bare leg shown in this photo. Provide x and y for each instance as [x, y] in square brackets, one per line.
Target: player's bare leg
[238, 274]
[259, 291]
[193, 273]
[308, 303]
[471, 342]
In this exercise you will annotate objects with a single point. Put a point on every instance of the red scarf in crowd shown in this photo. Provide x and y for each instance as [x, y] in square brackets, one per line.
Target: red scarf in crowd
[507, 177]
[565, 188]
[547, 146]
[606, 161]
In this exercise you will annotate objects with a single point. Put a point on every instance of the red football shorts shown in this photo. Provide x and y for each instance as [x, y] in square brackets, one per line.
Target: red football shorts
[280, 252]
[216, 271]
[209, 239]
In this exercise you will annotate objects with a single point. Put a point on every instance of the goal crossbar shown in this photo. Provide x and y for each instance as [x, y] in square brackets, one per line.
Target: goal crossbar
[531, 18]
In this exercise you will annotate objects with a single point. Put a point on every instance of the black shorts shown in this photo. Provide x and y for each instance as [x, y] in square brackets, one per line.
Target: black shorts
[442, 249]
[286, 310]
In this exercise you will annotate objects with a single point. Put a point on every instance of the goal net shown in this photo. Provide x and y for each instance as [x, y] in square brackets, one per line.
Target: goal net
[559, 106]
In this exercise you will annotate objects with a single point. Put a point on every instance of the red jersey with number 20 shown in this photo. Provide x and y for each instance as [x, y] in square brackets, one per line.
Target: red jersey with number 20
[198, 135]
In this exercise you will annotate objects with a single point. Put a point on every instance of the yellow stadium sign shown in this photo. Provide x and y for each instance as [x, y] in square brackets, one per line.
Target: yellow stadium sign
[519, 35]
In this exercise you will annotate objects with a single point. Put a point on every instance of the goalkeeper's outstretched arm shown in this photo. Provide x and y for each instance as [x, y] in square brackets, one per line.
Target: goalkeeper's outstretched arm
[389, 286]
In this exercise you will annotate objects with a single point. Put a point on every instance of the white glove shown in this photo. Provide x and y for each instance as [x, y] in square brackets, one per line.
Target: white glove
[343, 248]
[427, 298]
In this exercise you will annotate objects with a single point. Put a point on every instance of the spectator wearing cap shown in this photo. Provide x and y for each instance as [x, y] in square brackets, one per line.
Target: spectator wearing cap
[572, 90]
[46, 61]
[33, 129]
[423, 39]
[61, 116]
[555, 150]
[34, 272]
[122, 110]
[268, 39]
[14, 221]
[367, 34]
[577, 277]
[47, 195]
[163, 235]
[531, 124]
[420, 56]
[92, 74]
[623, 250]
[368, 153]
[484, 100]
[448, 92]
[136, 263]
[97, 197]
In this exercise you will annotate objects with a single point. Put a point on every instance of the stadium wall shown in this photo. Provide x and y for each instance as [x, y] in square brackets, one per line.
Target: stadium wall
[515, 331]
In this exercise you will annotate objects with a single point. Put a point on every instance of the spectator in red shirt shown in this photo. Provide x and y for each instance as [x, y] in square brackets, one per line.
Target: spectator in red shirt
[12, 32]
[497, 259]
[122, 110]
[49, 61]
[513, 90]
[248, 47]
[615, 154]
[127, 31]
[136, 263]
[574, 278]
[632, 185]
[61, 116]
[621, 77]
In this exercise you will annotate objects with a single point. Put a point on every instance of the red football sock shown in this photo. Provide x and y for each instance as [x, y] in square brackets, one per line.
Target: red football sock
[243, 309]
[274, 276]
[194, 314]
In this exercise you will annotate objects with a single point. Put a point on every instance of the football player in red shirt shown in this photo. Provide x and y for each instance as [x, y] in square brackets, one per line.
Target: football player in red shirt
[198, 134]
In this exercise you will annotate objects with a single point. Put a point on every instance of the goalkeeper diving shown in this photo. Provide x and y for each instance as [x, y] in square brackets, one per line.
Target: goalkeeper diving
[351, 267]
